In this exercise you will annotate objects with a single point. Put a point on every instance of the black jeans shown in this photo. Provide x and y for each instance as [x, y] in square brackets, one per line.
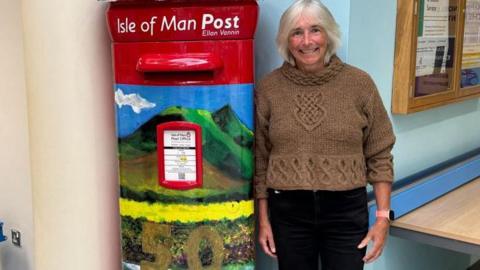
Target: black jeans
[307, 224]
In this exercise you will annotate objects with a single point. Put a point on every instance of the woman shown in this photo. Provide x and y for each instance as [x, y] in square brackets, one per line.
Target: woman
[322, 134]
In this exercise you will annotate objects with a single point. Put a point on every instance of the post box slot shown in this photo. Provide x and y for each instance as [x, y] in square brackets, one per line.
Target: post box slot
[179, 63]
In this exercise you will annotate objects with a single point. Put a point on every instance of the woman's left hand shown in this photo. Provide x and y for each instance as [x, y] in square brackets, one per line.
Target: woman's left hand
[378, 234]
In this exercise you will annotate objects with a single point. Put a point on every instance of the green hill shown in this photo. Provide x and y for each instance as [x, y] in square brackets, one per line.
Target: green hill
[144, 140]
[226, 141]
[228, 122]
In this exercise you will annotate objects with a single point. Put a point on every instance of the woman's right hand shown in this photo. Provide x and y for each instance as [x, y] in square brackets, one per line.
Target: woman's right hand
[265, 235]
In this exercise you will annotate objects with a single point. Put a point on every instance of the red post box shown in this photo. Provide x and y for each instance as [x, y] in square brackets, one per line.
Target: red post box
[184, 105]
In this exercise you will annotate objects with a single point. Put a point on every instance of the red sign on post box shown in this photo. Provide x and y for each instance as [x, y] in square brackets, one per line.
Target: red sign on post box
[174, 20]
[179, 150]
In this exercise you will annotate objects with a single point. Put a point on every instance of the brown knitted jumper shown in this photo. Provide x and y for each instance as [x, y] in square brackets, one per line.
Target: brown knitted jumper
[327, 131]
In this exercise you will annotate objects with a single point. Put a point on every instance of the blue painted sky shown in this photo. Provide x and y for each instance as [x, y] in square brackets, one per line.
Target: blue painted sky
[207, 97]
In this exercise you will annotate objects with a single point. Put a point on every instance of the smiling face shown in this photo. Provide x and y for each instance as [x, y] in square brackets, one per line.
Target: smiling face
[307, 43]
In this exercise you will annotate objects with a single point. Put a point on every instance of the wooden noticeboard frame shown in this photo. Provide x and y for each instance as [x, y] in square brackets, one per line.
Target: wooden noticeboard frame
[460, 84]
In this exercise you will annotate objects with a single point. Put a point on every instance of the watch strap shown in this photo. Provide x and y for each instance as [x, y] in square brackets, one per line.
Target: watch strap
[383, 214]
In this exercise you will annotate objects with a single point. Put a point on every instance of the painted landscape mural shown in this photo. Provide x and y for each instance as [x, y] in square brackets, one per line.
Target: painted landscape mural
[202, 228]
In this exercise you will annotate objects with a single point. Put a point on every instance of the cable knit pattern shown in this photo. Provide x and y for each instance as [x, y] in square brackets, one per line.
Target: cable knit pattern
[309, 111]
[299, 77]
[323, 131]
[330, 171]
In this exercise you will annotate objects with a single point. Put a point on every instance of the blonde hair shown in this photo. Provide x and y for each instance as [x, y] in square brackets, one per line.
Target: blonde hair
[320, 14]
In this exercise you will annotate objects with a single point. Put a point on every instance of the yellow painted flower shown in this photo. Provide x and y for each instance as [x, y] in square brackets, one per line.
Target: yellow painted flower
[185, 213]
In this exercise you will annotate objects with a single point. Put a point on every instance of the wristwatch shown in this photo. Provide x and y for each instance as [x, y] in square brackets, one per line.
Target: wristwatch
[389, 214]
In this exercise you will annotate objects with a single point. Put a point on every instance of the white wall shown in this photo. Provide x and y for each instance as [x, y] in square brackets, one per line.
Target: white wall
[57, 58]
[15, 183]
[72, 139]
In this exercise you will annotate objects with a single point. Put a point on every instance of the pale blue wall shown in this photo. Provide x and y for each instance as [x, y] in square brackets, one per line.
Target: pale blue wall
[423, 139]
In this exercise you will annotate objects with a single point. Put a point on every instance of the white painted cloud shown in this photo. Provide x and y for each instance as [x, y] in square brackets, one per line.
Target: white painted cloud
[129, 266]
[133, 100]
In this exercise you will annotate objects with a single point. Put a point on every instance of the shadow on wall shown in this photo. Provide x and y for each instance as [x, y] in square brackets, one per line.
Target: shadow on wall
[13, 258]
[266, 59]
[429, 117]
[412, 257]
[266, 56]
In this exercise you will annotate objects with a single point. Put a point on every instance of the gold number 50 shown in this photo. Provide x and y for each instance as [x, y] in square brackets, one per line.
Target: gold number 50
[163, 258]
